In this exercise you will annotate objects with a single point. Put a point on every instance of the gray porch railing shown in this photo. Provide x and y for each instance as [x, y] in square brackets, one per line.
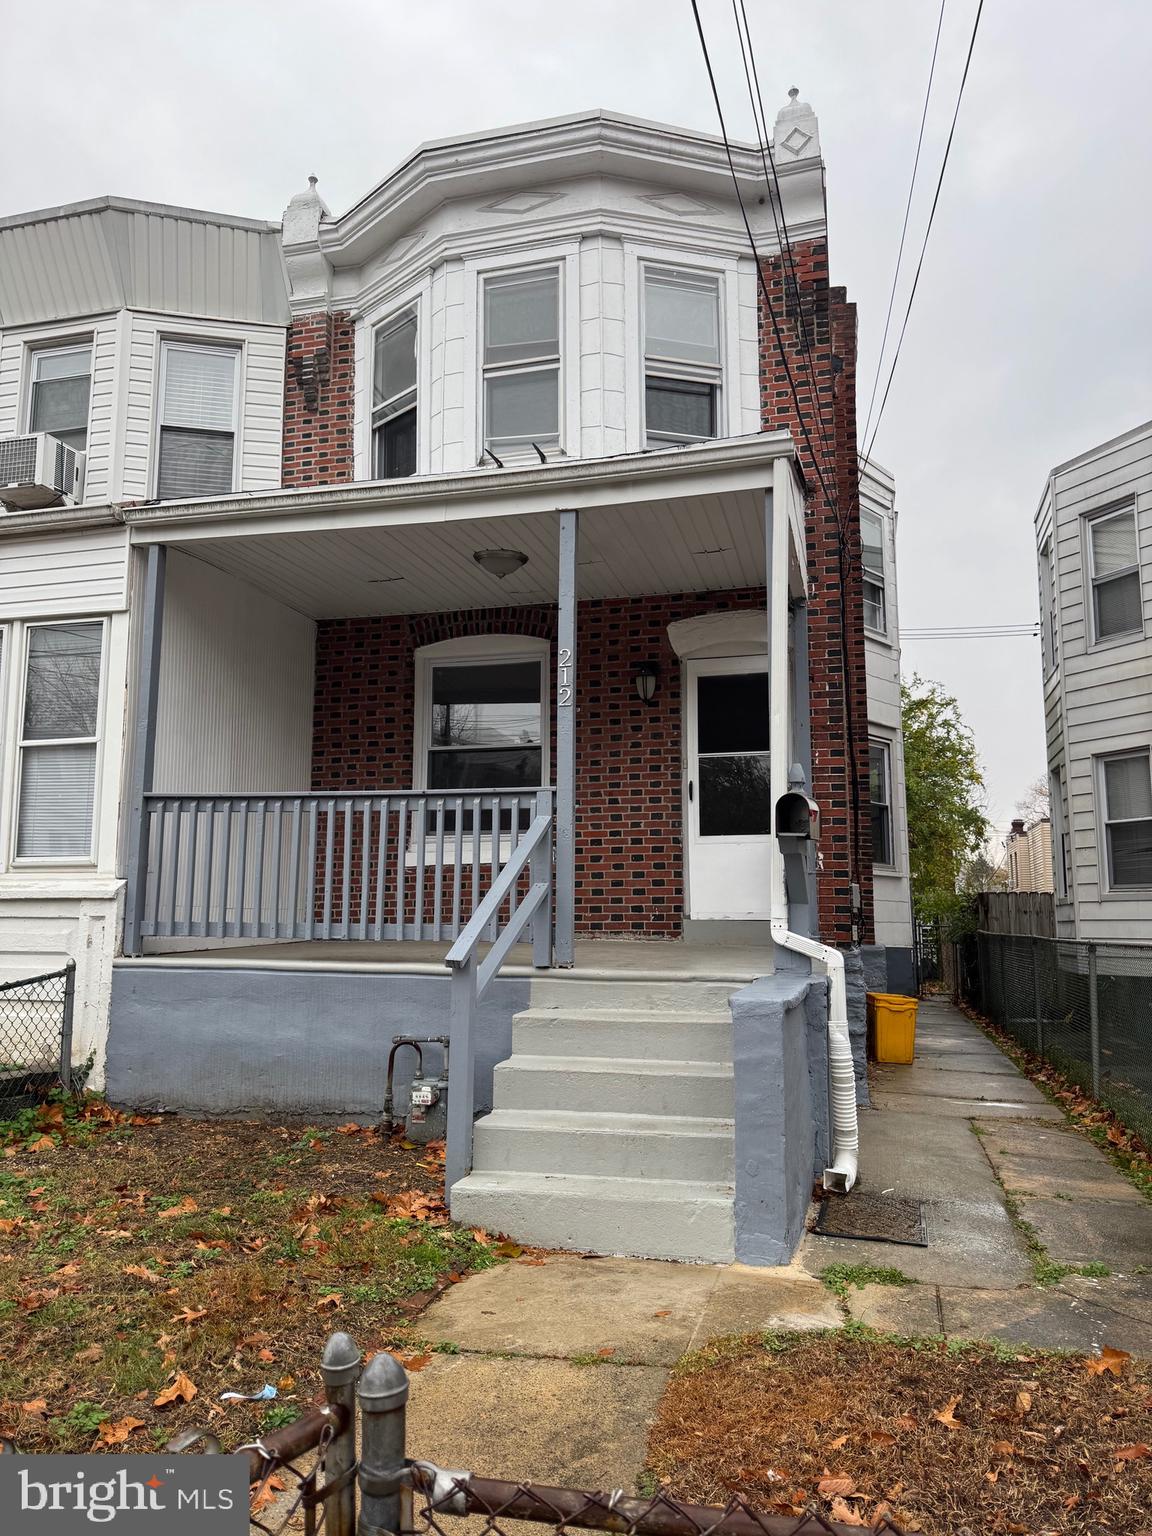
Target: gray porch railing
[406, 865]
[528, 911]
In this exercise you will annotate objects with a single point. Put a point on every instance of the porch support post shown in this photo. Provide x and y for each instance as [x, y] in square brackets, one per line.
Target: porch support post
[803, 919]
[565, 939]
[143, 753]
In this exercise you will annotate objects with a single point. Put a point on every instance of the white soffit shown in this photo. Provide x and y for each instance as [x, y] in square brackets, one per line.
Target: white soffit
[711, 542]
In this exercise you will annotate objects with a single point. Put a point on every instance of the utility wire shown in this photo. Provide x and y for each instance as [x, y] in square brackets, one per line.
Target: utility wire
[904, 228]
[928, 230]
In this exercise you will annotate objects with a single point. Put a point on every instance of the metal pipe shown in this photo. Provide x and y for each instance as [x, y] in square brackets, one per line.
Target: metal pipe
[383, 1397]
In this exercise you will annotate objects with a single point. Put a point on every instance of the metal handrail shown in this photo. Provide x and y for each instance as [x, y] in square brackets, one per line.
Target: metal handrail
[471, 977]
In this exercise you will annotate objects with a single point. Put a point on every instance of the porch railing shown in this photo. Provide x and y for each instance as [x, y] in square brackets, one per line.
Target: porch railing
[408, 865]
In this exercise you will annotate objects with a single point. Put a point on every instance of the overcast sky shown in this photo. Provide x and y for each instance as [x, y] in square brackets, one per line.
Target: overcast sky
[1031, 338]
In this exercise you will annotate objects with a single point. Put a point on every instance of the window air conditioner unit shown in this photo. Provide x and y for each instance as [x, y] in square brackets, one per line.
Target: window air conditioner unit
[38, 470]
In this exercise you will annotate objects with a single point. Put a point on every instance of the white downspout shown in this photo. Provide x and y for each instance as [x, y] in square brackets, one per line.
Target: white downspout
[841, 1174]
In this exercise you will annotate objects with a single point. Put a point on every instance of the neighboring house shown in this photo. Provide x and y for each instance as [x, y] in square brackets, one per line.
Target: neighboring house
[891, 876]
[151, 341]
[1028, 852]
[548, 617]
[1094, 540]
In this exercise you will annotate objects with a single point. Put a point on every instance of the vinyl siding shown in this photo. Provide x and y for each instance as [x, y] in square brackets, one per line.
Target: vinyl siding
[64, 573]
[1099, 700]
[236, 682]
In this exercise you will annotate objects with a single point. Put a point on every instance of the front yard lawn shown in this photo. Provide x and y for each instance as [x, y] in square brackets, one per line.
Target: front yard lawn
[945, 1438]
[147, 1265]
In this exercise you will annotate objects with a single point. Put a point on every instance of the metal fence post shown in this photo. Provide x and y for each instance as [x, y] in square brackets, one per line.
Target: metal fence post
[383, 1397]
[1001, 946]
[66, 1026]
[1094, 1020]
[340, 1369]
[1036, 995]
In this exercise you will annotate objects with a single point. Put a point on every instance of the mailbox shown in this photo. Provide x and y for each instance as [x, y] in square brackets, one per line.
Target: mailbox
[797, 817]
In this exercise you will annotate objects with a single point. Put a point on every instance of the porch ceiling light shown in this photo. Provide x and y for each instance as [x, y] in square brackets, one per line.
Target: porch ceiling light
[500, 562]
[646, 675]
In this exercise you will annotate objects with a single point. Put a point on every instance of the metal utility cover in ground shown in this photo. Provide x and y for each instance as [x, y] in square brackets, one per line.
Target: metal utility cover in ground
[876, 1218]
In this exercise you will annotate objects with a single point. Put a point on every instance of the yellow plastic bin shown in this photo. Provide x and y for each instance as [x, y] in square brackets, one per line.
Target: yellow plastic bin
[892, 1027]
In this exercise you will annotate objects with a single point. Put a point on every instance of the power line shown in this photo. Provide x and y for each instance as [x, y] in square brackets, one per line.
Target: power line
[928, 230]
[904, 228]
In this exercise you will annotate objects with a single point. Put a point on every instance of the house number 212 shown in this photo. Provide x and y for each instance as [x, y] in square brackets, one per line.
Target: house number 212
[564, 678]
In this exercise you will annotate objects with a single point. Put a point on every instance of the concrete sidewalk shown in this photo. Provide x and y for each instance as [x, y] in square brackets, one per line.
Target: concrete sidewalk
[561, 1362]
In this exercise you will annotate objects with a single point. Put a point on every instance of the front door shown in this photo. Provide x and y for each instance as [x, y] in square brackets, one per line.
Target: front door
[728, 810]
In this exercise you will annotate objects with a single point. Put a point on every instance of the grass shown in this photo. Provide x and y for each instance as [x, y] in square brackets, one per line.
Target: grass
[948, 1436]
[840, 1278]
[139, 1251]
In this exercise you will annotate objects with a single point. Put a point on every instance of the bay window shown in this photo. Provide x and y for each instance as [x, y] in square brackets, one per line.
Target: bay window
[394, 398]
[1114, 566]
[59, 738]
[872, 559]
[198, 404]
[61, 385]
[681, 357]
[1127, 797]
[521, 360]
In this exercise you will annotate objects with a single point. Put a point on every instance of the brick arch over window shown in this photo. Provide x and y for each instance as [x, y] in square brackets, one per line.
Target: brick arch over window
[537, 623]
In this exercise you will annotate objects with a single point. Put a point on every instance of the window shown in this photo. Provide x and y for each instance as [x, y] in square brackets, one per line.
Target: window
[681, 357]
[880, 796]
[197, 420]
[1061, 849]
[61, 383]
[872, 559]
[58, 742]
[394, 398]
[1128, 819]
[1049, 632]
[1115, 574]
[522, 360]
[486, 725]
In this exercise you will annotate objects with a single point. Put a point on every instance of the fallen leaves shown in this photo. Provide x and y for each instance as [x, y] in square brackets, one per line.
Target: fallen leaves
[37, 1408]
[947, 1414]
[265, 1491]
[1132, 1453]
[830, 1487]
[330, 1302]
[41, 1144]
[1109, 1359]
[189, 1315]
[116, 1431]
[182, 1390]
[1023, 1403]
[846, 1514]
[184, 1207]
[90, 1355]
[141, 1272]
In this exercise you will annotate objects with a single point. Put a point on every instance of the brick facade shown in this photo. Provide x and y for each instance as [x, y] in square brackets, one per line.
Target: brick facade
[629, 839]
[827, 399]
[319, 400]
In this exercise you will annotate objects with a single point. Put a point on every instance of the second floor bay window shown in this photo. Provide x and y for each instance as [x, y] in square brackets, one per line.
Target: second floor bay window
[521, 361]
[681, 357]
[61, 384]
[198, 403]
[394, 398]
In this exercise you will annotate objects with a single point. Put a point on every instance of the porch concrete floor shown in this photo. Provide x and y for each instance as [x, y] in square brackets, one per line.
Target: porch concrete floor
[596, 959]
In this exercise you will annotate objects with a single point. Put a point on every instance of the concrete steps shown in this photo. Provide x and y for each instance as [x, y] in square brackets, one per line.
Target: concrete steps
[647, 1218]
[611, 1128]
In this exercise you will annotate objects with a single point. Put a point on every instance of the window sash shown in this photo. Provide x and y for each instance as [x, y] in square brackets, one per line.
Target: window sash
[539, 298]
[394, 367]
[880, 799]
[57, 772]
[61, 393]
[875, 607]
[475, 678]
[1128, 820]
[1114, 566]
[520, 381]
[684, 302]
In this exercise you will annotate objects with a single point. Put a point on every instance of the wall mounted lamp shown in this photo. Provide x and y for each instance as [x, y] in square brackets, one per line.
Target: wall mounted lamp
[646, 675]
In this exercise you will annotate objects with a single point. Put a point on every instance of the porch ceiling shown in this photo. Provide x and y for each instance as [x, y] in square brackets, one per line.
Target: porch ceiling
[709, 542]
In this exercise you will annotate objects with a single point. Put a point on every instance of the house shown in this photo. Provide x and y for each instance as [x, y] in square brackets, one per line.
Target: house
[1028, 850]
[472, 645]
[1094, 542]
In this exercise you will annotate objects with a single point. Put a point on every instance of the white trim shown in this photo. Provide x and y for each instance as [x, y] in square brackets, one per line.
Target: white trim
[164, 342]
[739, 632]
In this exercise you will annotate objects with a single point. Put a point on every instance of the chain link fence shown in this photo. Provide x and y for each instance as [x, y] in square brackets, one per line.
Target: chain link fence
[308, 1477]
[35, 1038]
[1084, 1007]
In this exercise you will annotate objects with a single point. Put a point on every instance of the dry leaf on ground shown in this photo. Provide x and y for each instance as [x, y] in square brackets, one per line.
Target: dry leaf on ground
[183, 1389]
[116, 1431]
[1109, 1359]
[947, 1414]
[183, 1207]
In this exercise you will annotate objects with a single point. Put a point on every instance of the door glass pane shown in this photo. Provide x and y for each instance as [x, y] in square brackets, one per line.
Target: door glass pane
[679, 408]
[1118, 605]
[735, 796]
[523, 406]
[521, 318]
[732, 712]
[394, 369]
[63, 684]
[681, 318]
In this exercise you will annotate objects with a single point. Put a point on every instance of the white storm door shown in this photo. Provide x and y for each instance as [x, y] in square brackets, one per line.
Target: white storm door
[728, 797]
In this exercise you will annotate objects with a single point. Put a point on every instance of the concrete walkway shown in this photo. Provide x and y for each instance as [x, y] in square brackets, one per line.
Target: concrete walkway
[561, 1362]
